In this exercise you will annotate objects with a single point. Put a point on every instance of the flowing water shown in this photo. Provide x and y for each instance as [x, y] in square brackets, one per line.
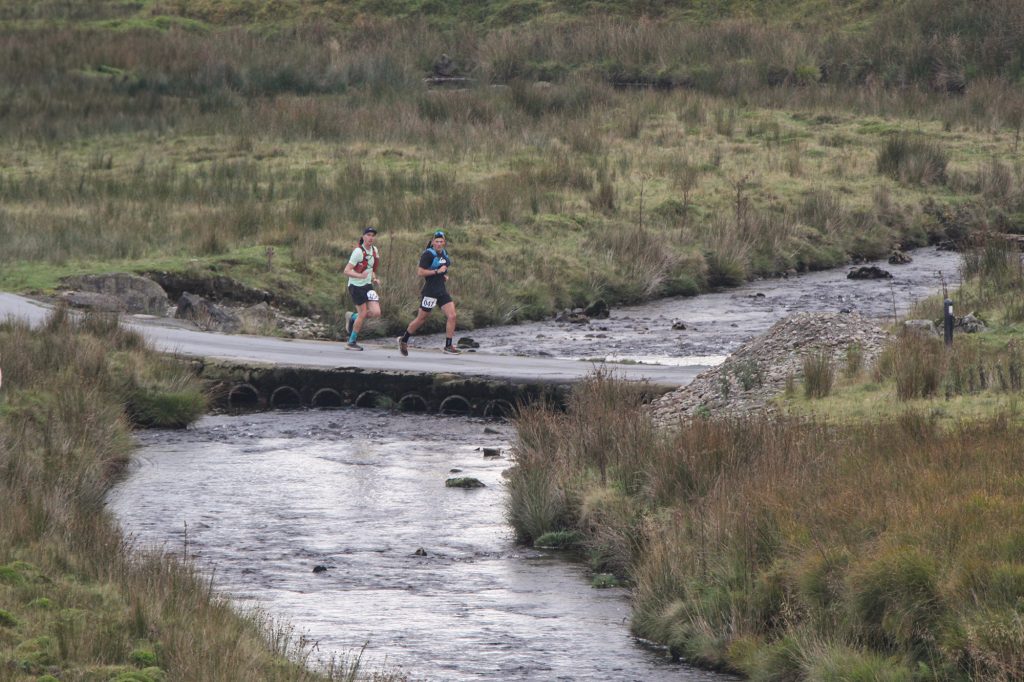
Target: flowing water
[263, 499]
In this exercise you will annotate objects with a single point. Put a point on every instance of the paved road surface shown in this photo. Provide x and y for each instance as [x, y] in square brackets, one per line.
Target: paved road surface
[168, 336]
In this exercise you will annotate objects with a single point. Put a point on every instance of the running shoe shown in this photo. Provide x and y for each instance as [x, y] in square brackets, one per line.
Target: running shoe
[352, 345]
[403, 346]
[348, 324]
[452, 350]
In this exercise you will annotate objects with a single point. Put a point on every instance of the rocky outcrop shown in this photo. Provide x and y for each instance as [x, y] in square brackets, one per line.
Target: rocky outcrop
[757, 372]
[90, 300]
[216, 288]
[970, 324]
[206, 315]
[136, 294]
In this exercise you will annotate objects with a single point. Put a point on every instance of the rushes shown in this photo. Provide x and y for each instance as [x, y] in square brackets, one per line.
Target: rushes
[783, 549]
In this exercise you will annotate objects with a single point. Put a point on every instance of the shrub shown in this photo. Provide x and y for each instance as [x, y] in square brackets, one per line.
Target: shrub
[818, 375]
[157, 408]
[837, 662]
[918, 366]
[896, 602]
[536, 503]
[854, 360]
[143, 658]
[913, 160]
[559, 539]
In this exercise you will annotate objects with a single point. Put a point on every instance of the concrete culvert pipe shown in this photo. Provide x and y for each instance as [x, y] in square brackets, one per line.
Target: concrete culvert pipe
[243, 397]
[285, 397]
[455, 404]
[498, 409]
[327, 397]
[412, 402]
[372, 399]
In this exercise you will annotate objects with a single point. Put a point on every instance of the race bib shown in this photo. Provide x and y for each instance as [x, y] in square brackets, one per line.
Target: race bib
[428, 302]
[371, 295]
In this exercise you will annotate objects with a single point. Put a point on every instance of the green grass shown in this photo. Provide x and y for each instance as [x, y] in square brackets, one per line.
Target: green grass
[301, 123]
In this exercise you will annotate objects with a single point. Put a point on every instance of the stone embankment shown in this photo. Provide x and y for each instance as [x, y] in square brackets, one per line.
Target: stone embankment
[757, 372]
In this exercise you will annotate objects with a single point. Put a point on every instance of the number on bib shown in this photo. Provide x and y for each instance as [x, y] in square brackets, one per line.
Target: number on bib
[371, 295]
[428, 302]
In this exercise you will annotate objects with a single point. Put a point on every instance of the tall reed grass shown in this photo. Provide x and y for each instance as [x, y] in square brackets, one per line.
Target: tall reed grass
[787, 549]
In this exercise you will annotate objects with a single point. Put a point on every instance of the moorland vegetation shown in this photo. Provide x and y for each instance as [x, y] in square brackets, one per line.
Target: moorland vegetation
[77, 600]
[869, 530]
[599, 150]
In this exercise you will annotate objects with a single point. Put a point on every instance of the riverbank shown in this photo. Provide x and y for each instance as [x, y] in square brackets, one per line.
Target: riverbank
[866, 531]
[77, 600]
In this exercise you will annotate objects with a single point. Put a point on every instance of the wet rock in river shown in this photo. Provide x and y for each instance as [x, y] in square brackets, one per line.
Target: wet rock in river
[574, 316]
[319, 568]
[420, 552]
[492, 452]
[869, 272]
[464, 482]
[679, 326]
[899, 258]
[597, 310]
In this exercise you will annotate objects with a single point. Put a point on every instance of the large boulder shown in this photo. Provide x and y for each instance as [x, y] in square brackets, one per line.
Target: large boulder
[206, 315]
[137, 294]
[970, 324]
[90, 300]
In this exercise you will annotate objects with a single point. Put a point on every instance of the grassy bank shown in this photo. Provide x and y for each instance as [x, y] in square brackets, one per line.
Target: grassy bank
[77, 602]
[871, 534]
[589, 157]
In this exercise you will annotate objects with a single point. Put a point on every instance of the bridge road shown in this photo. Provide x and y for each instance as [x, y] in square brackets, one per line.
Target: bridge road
[168, 336]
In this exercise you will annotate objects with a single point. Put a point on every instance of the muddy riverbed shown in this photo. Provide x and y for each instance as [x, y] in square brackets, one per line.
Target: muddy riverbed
[262, 499]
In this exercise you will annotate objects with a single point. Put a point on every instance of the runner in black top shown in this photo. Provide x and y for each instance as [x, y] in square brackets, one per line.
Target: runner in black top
[433, 267]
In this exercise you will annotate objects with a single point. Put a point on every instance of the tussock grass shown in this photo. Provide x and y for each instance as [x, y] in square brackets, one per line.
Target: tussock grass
[818, 375]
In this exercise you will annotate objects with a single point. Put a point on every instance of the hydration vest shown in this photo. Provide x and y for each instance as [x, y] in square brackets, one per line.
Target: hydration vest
[439, 258]
[361, 267]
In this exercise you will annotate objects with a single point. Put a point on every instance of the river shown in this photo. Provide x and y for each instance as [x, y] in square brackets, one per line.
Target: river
[262, 499]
